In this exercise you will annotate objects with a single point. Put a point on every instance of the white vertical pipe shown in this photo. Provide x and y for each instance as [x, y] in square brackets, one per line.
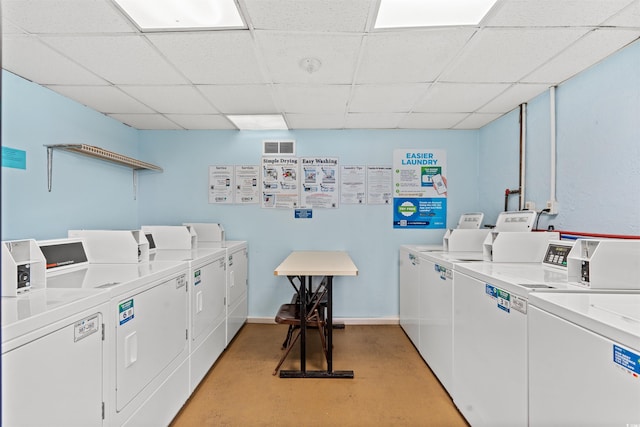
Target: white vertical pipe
[552, 120]
[523, 152]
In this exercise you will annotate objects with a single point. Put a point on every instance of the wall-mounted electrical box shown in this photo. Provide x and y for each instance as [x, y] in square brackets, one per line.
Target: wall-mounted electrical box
[23, 267]
[113, 246]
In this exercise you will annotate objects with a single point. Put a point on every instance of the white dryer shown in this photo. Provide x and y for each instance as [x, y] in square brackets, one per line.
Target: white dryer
[237, 283]
[207, 308]
[584, 359]
[146, 364]
[52, 358]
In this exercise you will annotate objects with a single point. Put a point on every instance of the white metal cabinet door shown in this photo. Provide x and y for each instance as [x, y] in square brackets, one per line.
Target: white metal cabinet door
[409, 295]
[150, 333]
[55, 380]
[489, 357]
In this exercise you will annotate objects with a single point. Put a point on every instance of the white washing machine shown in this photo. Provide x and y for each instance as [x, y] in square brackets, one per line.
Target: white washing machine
[237, 282]
[207, 308]
[584, 359]
[490, 333]
[146, 364]
[409, 280]
[435, 314]
[52, 358]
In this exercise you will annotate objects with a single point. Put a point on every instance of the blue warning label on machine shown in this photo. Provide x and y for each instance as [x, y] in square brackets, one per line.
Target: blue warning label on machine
[125, 311]
[627, 359]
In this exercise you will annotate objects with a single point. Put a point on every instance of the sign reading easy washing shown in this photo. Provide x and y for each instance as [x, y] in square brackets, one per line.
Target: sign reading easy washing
[419, 188]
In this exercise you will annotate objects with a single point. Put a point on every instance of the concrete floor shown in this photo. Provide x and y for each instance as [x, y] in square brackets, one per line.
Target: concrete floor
[392, 385]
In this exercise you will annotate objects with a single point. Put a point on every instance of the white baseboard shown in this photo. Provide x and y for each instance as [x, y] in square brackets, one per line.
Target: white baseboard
[346, 320]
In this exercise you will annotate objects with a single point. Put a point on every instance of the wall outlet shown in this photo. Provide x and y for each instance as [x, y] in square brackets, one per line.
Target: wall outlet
[530, 206]
[552, 205]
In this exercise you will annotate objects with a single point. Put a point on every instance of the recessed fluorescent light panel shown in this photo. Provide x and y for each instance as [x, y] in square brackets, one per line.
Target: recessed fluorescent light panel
[180, 15]
[258, 121]
[431, 13]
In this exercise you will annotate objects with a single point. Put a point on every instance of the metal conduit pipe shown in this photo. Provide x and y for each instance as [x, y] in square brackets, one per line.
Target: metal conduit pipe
[523, 149]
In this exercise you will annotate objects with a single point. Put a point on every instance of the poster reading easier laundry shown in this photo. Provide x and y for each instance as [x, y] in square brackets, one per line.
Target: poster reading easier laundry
[420, 188]
[320, 186]
[280, 182]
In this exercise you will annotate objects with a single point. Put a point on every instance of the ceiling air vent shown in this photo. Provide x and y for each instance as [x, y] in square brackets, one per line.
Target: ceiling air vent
[276, 148]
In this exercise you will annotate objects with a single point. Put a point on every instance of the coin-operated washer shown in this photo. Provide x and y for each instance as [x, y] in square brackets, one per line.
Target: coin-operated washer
[146, 364]
[438, 274]
[52, 346]
[206, 293]
[493, 305]
[586, 344]
[212, 235]
[409, 272]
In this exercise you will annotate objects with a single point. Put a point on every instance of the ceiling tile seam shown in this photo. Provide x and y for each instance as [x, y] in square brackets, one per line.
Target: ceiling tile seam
[473, 38]
[39, 39]
[559, 54]
[620, 11]
[356, 69]
[125, 17]
[265, 72]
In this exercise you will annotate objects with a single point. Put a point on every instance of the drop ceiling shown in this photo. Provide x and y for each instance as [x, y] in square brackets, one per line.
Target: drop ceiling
[421, 78]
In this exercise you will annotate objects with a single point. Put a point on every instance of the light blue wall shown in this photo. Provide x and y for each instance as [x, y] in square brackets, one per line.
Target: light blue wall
[180, 194]
[86, 193]
[598, 177]
[598, 150]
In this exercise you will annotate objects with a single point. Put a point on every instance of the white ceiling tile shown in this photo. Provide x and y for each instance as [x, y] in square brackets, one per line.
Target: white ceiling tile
[146, 121]
[66, 16]
[506, 55]
[373, 120]
[330, 99]
[283, 53]
[513, 97]
[201, 121]
[233, 99]
[106, 99]
[385, 98]
[118, 59]
[315, 121]
[432, 120]
[629, 17]
[26, 56]
[318, 15]
[587, 51]
[539, 13]
[171, 99]
[458, 97]
[476, 121]
[409, 56]
[216, 57]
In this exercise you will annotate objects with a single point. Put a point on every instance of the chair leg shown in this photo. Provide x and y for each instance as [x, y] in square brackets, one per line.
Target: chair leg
[285, 344]
[286, 353]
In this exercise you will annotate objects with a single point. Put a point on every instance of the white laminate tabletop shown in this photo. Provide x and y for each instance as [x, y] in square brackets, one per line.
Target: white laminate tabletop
[317, 263]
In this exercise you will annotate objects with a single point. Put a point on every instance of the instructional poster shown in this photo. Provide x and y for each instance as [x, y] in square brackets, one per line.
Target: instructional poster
[320, 186]
[379, 185]
[353, 185]
[280, 182]
[246, 179]
[420, 188]
[220, 184]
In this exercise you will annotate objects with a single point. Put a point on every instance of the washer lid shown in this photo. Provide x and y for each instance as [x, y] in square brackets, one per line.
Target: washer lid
[612, 315]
